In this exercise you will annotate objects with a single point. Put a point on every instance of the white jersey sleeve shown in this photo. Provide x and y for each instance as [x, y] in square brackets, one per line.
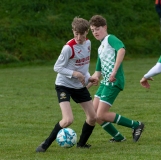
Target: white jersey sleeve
[154, 70]
[62, 61]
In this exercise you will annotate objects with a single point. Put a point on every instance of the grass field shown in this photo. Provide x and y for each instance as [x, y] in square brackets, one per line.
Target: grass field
[29, 110]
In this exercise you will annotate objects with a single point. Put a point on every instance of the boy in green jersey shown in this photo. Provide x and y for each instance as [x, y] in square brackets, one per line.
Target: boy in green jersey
[156, 69]
[109, 65]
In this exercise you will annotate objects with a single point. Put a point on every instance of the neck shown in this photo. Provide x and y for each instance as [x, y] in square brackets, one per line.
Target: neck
[103, 38]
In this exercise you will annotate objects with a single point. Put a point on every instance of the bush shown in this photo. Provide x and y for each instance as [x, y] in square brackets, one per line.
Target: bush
[32, 30]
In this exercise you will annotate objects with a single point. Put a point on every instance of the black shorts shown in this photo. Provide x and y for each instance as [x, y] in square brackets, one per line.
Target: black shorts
[78, 95]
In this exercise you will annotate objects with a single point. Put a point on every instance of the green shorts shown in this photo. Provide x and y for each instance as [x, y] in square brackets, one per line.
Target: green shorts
[107, 94]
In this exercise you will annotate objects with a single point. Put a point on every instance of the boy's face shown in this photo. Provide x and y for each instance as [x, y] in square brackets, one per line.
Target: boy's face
[99, 32]
[80, 38]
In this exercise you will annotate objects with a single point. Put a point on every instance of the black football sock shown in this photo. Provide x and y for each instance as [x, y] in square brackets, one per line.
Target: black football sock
[52, 136]
[86, 132]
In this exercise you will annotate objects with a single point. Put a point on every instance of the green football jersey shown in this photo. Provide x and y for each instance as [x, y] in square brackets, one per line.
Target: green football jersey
[107, 53]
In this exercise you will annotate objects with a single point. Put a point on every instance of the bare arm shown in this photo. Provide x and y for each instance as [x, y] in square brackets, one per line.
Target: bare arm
[95, 76]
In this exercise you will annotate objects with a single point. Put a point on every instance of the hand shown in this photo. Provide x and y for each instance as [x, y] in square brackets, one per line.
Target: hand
[112, 77]
[144, 82]
[80, 77]
[94, 80]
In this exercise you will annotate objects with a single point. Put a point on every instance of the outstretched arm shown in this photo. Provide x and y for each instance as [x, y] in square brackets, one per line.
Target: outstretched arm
[144, 82]
[148, 76]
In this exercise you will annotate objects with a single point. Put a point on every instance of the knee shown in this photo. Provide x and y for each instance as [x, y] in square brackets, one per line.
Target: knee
[92, 120]
[99, 117]
[67, 122]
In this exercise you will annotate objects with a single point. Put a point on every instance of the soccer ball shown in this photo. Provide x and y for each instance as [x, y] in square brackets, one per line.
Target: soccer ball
[66, 138]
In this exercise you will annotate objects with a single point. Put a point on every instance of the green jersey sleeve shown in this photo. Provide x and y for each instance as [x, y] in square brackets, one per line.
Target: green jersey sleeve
[159, 60]
[115, 42]
[98, 64]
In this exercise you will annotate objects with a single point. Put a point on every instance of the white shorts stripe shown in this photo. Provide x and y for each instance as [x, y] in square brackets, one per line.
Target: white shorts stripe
[97, 96]
[106, 102]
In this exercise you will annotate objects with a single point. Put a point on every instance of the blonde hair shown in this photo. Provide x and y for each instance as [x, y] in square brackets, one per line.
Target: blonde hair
[80, 25]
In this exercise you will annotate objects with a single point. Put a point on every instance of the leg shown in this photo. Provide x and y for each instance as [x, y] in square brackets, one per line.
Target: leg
[95, 104]
[67, 119]
[90, 112]
[108, 95]
[104, 114]
[88, 125]
[67, 115]
[158, 10]
[107, 126]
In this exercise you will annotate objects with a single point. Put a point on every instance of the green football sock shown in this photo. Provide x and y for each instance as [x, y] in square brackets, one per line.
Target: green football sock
[108, 127]
[120, 120]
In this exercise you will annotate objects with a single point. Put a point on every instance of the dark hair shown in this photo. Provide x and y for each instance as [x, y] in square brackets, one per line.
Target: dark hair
[80, 25]
[97, 20]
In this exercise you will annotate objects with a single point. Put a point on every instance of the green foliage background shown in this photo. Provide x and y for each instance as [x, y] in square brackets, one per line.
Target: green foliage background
[36, 30]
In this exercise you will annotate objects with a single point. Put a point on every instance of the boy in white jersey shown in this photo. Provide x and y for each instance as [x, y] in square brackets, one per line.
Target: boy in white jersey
[109, 65]
[156, 69]
[72, 67]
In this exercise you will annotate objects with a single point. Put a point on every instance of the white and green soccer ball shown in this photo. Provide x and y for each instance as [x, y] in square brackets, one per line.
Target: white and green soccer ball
[66, 138]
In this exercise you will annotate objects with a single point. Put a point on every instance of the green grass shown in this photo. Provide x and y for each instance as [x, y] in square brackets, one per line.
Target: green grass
[29, 110]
